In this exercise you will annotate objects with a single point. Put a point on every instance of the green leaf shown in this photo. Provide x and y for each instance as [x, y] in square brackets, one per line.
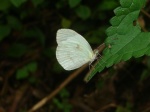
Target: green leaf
[122, 109]
[4, 5]
[17, 3]
[94, 36]
[37, 2]
[22, 73]
[32, 67]
[108, 5]
[125, 39]
[64, 93]
[61, 3]
[35, 33]
[33, 80]
[65, 23]
[14, 22]
[4, 31]
[49, 52]
[17, 50]
[58, 103]
[83, 12]
[144, 75]
[63, 104]
[74, 3]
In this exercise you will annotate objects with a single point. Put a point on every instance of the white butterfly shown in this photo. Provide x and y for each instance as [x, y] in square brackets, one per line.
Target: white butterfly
[73, 50]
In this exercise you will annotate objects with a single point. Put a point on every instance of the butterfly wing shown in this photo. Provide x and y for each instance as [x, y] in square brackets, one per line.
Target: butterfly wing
[67, 34]
[73, 50]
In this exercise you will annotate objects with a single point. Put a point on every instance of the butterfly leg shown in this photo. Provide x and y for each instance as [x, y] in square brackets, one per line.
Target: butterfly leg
[90, 65]
[100, 56]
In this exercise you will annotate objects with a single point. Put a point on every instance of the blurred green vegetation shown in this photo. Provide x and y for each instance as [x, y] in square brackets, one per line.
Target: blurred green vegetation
[28, 43]
[28, 27]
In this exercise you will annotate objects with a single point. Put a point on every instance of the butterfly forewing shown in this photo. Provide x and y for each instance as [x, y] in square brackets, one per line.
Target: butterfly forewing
[73, 50]
[64, 35]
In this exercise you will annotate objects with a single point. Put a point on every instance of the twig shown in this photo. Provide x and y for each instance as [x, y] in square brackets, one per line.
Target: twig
[100, 49]
[57, 90]
[106, 107]
[144, 12]
[17, 98]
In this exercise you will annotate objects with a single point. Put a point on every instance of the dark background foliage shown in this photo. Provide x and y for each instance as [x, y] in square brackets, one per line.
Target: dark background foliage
[29, 70]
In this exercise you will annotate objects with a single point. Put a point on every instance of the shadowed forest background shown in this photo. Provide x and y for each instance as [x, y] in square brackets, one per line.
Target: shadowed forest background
[30, 72]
